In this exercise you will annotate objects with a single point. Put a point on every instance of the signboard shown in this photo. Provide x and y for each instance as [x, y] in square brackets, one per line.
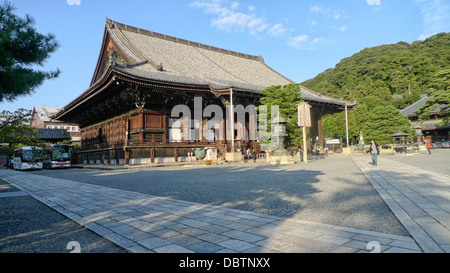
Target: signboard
[333, 141]
[304, 114]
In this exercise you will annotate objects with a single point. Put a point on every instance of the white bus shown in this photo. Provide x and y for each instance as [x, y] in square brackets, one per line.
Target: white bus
[57, 156]
[27, 158]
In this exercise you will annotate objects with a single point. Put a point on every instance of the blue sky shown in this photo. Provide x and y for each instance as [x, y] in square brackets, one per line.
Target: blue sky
[299, 39]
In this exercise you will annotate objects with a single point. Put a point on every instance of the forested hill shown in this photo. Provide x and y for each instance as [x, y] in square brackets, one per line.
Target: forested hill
[397, 73]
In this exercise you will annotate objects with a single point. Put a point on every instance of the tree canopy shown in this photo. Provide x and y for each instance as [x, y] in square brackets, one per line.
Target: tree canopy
[397, 73]
[333, 125]
[22, 48]
[439, 90]
[15, 129]
[286, 97]
[386, 78]
[385, 121]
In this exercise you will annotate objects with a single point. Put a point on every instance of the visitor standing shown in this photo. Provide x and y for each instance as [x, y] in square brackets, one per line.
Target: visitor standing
[428, 145]
[374, 151]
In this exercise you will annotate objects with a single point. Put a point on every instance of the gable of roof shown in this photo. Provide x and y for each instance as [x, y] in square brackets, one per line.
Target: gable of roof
[45, 112]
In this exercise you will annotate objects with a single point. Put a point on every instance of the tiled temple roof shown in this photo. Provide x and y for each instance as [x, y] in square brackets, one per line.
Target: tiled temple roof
[413, 108]
[189, 62]
[157, 58]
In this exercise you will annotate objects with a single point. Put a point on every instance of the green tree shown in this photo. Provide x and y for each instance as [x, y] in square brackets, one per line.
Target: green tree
[373, 101]
[439, 90]
[333, 125]
[381, 71]
[346, 93]
[385, 121]
[15, 129]
[22, 48]
[286, 97]
[361, 115]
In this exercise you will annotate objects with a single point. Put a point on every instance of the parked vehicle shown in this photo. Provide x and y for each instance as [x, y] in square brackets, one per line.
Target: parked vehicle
[27, 158]
[446, 144]
[57, 156]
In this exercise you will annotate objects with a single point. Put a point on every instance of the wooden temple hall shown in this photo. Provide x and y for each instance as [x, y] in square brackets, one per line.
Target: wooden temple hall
[125, 114]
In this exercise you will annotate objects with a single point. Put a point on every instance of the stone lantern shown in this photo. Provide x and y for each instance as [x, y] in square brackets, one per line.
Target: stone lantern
[279, 133]
[418, 133]
[280, 154]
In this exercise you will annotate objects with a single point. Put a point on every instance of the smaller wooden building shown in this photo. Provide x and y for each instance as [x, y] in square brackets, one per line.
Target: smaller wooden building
[429, 128]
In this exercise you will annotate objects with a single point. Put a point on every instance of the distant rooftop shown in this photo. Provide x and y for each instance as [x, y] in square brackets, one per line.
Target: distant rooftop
[411, 110]
[53, 135]
[45, 112]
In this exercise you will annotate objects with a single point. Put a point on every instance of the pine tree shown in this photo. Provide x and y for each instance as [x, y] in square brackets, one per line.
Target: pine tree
[333, 125]
[21, 49]
[439, 89]
[385, 121]
[286, 97]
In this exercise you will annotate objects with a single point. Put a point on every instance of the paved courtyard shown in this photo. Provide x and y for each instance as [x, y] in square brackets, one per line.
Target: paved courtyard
[340, 204]
[331, 191]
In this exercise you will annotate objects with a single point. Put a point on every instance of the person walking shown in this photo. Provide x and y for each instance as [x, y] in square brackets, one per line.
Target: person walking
[374, 151]
[428, 145]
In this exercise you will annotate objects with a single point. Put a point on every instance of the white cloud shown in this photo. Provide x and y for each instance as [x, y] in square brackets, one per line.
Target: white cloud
[298, 42]
[312, 23]
[236, 16]
[435, 17]
[73, 2]
[229, 17]
[318, 40]
[342, 28]
[304, 42]
[327, 12]
[226, 17]
[373, 2]
[424, 36]
[232, 21]
[277, 30]
[317, 9]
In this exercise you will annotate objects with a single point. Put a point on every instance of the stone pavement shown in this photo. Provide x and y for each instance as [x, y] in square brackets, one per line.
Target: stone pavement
[420, 199]
[144, 223]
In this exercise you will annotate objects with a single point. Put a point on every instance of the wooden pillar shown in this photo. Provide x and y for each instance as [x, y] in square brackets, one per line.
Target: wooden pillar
[152, 155]
[176, 154]
[127, 131]
[164, 126]
[141, 123]
[319, 126]
[346, 124]
[305, 147]
[127, 156]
